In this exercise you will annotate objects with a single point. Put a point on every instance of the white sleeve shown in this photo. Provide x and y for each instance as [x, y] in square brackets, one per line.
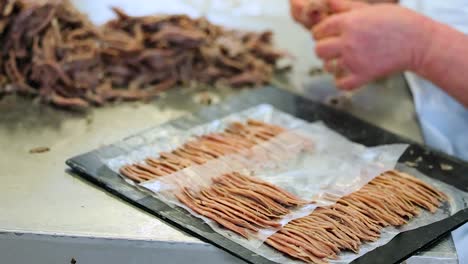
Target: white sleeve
[451, 12]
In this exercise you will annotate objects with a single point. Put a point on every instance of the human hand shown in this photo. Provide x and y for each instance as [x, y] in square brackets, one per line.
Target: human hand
[361, 43]
[310, 12]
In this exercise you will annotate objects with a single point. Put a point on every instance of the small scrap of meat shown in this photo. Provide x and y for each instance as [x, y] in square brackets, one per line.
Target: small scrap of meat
[340, 101]
[206, 98]
[314, 71]
[52, 51]
[411, 164]
[39, 150]
[446, 167]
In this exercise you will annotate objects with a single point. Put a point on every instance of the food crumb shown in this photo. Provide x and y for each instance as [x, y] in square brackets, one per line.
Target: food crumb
[430, 167]
[338, 101]
[206, 98]
[89, 120]
[39, 150]
[446, 167]
[411, 164]
[419, 159]
[316, 71]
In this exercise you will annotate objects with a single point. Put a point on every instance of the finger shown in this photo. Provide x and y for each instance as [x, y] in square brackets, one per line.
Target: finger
[336, 67]
[350, 82]
[309, 12]
[329, 27]
[340, 6]
[296, 7]
[329, 48]
[314, 12]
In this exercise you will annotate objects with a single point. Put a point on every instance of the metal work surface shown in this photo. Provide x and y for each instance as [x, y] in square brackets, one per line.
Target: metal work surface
[37, 195]
[63, 250]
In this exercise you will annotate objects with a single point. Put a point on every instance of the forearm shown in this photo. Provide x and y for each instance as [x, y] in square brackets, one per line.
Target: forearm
[379, 1]
[445, 61]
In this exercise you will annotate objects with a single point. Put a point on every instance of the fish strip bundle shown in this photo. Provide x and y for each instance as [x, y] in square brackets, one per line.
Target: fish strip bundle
[391, 199]
[236, 138]
[53, 52]
[233, 204]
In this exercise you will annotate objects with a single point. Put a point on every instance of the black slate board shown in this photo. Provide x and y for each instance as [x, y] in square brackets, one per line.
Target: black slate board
[90, 167]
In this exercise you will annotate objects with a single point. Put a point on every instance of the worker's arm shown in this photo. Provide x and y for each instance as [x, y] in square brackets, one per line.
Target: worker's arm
[360, 43]
[445, 61]
[380, 1]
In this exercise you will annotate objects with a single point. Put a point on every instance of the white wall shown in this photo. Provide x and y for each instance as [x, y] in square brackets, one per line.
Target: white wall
[99, 11]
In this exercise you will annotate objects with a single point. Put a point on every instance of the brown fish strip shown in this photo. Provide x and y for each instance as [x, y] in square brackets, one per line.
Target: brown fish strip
[186, 200]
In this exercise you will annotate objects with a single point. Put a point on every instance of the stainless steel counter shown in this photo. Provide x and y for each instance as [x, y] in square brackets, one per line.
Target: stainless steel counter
[38, 196]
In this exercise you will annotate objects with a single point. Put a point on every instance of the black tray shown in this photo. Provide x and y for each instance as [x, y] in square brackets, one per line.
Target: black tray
[90, 167]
